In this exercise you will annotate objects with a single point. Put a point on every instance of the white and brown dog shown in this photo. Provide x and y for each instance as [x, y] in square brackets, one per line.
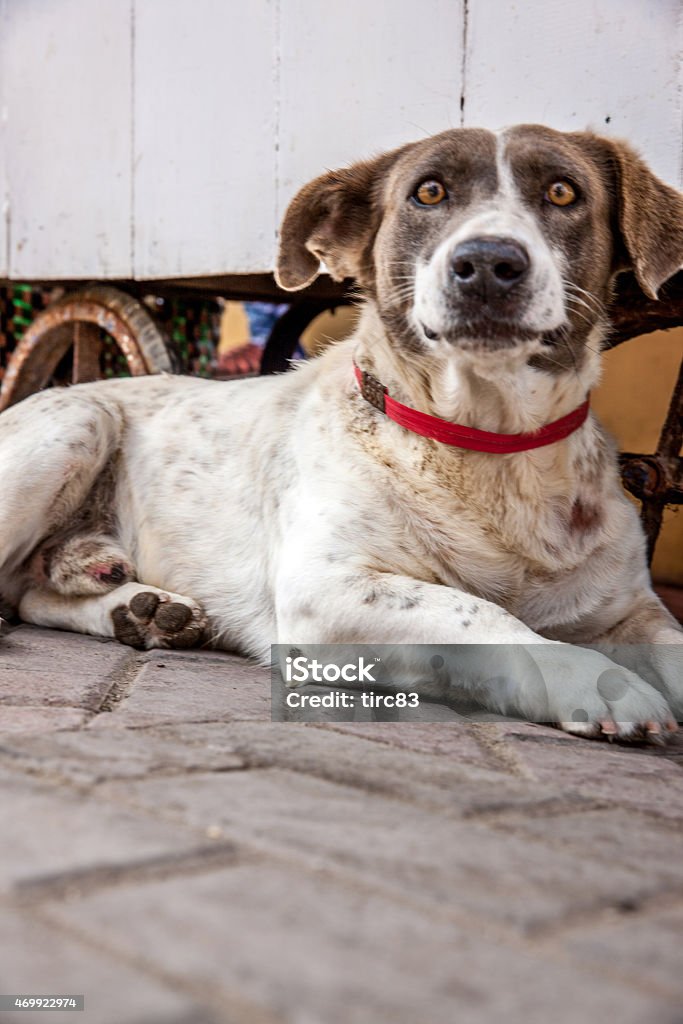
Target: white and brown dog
[490, 513]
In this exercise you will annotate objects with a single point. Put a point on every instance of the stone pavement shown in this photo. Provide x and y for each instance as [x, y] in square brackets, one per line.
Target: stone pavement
[174, 856]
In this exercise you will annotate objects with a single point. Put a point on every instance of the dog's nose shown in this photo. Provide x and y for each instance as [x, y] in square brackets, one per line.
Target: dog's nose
[489, 266]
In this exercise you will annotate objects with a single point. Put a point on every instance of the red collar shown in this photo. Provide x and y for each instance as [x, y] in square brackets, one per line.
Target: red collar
[374, 391]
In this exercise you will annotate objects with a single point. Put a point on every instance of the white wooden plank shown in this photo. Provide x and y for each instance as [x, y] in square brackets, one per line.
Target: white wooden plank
[204, 137]
[4, 190]
[611, 66]
[68, 96]
[360, 77]
[4, 197]
[4, 187]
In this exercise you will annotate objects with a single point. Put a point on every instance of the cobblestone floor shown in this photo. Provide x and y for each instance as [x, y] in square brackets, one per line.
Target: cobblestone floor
[177, 858]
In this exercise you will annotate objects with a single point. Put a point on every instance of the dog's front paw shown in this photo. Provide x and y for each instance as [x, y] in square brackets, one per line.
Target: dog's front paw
[591, 696]
[155, 618]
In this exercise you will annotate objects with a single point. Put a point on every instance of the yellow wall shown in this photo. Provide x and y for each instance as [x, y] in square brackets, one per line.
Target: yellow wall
[631, 402]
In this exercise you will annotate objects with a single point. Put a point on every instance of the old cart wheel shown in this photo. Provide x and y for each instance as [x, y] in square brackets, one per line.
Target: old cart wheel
[76, 322]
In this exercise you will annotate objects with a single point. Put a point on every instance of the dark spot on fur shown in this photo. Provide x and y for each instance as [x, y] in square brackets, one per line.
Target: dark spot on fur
[117, 574]
[8, 612]
[583, 517]
[370, 597]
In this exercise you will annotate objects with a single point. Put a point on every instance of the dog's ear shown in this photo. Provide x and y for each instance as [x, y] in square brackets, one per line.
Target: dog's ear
[650, 216]
[333, 219]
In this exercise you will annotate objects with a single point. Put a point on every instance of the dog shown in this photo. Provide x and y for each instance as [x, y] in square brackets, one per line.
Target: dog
[435, 479]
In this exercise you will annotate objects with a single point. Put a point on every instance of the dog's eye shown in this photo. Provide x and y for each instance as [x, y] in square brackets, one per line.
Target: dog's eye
[430, 193]
[561, 193]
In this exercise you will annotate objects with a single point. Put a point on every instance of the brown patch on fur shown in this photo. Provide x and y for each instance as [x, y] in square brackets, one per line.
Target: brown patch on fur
[333, 219]
[584, 517]
[649, 213]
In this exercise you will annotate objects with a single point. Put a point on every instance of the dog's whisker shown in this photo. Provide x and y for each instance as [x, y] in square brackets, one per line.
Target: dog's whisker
[577, 312]
[583, 291]
[579, 302]
[401, 293]
[582, 295]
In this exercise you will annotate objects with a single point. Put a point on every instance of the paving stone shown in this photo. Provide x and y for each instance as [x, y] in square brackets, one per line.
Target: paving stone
[192, 689]
[454, 741]
[35, 959]
[50, 833]
[309, 950]
[44, 667]
[454, 785]
[30, 720]
[611, 835]
[628, 945]
[673, 751]
[86, 758]
[354, 872]
[462, 866]
[617, 774]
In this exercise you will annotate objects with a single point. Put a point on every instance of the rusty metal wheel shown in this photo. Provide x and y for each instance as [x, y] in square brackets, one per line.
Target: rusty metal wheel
[76, 322]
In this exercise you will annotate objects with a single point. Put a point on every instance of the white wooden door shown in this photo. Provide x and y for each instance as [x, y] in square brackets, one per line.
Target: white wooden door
[164, 138]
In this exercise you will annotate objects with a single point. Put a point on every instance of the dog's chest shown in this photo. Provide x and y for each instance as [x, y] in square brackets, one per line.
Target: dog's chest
[496, 529]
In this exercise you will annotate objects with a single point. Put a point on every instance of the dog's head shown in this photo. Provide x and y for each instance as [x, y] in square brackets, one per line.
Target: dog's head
[478, 242]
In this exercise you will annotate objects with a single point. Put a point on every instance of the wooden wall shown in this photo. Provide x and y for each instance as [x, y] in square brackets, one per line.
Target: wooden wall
[163, 138]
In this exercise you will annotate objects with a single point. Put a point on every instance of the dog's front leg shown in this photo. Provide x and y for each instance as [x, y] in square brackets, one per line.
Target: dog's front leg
[649, 641]
[134, 613]
[511, 670]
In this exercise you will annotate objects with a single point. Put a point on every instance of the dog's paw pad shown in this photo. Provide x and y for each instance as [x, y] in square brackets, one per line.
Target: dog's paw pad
[127, 629]
[144, 605]
[172, 617]
[153, 618]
